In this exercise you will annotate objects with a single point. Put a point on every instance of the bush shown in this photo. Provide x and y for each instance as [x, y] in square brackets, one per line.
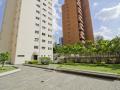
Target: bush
[33, 62]
[4, 57]
[45, 60]
[70, 61]
[60, 61]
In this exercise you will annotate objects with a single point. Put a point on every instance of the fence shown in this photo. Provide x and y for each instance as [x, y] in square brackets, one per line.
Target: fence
[109, 58]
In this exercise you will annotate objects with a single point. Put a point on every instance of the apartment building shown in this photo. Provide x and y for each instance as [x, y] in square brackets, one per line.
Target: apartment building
[77, 23]
[27, 30]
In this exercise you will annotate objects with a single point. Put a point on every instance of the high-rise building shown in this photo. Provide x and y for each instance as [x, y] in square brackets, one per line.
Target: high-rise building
[77, 23]
[27, 30]
[61, 40]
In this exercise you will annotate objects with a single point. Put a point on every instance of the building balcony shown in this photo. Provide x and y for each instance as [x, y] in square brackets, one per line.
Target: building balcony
[82, 37]
[81, 28]
[79, 3]
[82, 33]
[80, 19]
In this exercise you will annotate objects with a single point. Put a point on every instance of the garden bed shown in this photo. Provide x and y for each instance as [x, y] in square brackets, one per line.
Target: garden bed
[104, 68]
[6, 69]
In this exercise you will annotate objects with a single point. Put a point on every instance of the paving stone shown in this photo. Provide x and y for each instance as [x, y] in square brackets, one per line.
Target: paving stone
[31, 78]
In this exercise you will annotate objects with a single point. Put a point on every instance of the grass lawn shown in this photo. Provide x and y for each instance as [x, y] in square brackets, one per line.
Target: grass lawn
[106, 68]
[7, 68]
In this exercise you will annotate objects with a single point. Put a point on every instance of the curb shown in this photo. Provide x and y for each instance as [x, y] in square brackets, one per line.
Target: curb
[81, 72]
[9, 72]
[38, 66]
[91, 74]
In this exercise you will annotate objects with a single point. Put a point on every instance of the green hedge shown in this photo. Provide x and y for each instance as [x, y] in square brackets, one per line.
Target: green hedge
[33, 62]
[45, 60]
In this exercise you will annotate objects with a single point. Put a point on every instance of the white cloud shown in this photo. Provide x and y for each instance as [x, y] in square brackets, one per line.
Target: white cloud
[107, 33]
[56, 14]
[1, 3]
[109, 13]
[118, 31]
[95, 4]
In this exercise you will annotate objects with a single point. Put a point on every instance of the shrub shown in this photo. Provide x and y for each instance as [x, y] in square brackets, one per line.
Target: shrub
[101, 64]
[60, 61]
[70, 61]
[45, 60]
[33, 62]
[4, 57]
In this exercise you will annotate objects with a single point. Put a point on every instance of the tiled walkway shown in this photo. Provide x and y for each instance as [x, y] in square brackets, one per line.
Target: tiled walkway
[31, 78]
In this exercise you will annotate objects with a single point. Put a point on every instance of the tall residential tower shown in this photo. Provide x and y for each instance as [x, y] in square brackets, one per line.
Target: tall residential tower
[77, 23]
[27, 30]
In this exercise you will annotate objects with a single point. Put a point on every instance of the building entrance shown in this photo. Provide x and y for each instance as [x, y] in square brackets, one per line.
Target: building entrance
[35, 57]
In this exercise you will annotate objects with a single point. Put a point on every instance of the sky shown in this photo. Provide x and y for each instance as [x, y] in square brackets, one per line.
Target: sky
[105, 17]
[2, 4]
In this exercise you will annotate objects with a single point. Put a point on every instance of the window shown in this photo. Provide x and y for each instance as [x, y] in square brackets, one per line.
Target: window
[35, 47]
[44, 21]
[37, 11]
[50, 8]
[37, 32]
[44, 4]
[49, 13]
[50, 24]
[49, 35]
[21, 55]
[43, 40]
[37, 24]
[44, 9]
[37, 18]
[36, 39]
[49, 29]
[50, 3]
[49, 48]
[43, 27]
[50, 18]
[43, 47]
[49, 42]
[38, 0]
[44, 15]
[43, 34]
[38, 5]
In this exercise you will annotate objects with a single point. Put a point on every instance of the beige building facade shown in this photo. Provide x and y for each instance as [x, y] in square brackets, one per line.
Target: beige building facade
[27, 30]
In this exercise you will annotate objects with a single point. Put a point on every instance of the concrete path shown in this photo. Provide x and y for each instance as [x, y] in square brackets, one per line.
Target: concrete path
[30, 78]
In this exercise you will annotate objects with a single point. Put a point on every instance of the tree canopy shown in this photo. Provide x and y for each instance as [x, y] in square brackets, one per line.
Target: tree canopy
[100, 46]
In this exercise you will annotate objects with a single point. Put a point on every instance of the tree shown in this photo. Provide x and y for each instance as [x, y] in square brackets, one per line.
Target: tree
[99, 37]
[4, 57]
[115, 45]
[100, 46]
[103, 46]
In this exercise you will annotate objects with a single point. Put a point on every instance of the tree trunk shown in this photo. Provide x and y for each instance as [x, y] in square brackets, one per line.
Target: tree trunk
[3, 63]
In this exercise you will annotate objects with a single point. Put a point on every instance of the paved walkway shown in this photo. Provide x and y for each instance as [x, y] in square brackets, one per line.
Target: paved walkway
[31, 78]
